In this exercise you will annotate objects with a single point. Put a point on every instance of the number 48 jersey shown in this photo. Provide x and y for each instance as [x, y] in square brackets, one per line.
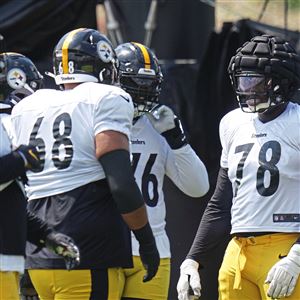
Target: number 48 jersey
[263, 161]
[63, 125]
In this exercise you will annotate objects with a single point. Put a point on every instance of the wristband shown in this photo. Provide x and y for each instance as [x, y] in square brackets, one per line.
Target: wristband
[144, 235]
[175, 136]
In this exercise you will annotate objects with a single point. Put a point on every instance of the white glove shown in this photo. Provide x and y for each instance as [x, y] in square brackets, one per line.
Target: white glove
[162, 118]
[168, 125]
[283, 276]
[189, 277]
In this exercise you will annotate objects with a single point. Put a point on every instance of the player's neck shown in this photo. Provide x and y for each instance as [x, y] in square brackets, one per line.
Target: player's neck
[70, 86]
[272, 113]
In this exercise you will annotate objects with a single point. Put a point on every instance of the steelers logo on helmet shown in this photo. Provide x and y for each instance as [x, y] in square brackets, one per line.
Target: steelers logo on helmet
[105, 51]
[16, 78]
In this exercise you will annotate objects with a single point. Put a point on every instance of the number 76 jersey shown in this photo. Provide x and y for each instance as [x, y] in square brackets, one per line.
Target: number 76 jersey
[263, 162]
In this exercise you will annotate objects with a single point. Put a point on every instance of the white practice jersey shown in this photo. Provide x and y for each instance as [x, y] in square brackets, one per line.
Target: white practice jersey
[64, 124]
[5, 141]
[153, 159]
[263, 161]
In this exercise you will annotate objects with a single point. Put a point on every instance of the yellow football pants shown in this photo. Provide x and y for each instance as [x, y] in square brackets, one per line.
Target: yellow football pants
[78, 284]
[9, 285]
[247, 262]
[157, 288]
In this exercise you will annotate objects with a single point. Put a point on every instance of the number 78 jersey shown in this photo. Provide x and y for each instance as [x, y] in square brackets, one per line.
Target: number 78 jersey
[63, 126]
[263, 161]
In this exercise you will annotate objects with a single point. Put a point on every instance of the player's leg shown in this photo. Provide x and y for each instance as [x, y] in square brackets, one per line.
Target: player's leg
[234, 283]
[276, 248]
[78, 284]
[157, 288]
[9, 285]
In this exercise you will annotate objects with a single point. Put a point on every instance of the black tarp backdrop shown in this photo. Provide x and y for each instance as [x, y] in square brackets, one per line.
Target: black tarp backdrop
[200, 93]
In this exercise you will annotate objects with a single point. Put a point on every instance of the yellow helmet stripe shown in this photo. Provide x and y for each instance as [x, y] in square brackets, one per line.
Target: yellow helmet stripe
[145, 55]
[65, 46]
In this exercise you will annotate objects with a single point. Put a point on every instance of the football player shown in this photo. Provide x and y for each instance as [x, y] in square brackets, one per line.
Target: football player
[85, 185]
[159, 147]
[260, 159]
[18, 77]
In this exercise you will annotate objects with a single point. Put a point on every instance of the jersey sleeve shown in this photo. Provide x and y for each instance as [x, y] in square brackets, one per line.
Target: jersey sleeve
[183, 164]
[215, 224]
[223, 140]
[114, 112]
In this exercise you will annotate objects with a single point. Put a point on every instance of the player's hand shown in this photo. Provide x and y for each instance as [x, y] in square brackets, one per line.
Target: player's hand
[27, 289]
[189, 279]
[162, 118]
[64, 246]
[168, 125]
[30, 156]
[283, 276]
[150, 259]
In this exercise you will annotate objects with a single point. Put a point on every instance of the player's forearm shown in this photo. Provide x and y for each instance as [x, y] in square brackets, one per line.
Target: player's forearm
[37, 229]
[125, 192]
[136, 219]
[185, 165]
[11, 167]
[212, 231]
[215, 225]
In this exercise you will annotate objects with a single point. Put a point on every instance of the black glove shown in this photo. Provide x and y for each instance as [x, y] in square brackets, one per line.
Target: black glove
[64, 246]
[150, 259]
[148, 251]
[30, 156]
[27, 289]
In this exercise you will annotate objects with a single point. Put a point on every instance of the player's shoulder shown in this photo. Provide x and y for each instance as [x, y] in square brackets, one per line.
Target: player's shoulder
[97, 91]
[35, 100]
[234, 118]
[293, 112]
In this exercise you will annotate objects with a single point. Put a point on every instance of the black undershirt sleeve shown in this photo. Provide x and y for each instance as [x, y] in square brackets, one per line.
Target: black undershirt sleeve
[215, 224]
[37, 229]
[119, 174]
[11, 167]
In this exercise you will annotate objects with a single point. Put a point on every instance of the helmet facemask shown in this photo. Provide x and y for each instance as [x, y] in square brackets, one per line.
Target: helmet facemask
[144, 90]
[256, 92]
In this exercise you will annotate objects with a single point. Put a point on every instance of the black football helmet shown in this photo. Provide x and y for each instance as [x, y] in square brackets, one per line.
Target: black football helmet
[139, 75]
[19, 77]
[264, 73]
[84, 55]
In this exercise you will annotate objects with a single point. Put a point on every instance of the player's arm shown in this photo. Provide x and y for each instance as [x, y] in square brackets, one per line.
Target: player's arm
[17, 162]
[112, 150]
[215, 225]
[182, 163]
[283, 276]
[43, 235]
